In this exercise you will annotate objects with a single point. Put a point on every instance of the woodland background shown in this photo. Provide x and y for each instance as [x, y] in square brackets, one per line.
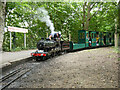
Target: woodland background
[67, 17]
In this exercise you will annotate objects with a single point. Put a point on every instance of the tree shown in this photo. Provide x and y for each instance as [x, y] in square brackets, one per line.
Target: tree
[89, 6]
[119, 16]
[66, 17]
[2, 19]
[117, 25]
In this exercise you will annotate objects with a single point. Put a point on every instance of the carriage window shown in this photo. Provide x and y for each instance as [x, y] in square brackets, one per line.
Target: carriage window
[95, 35]
[82, 35]
[87, 35]
[92, 35]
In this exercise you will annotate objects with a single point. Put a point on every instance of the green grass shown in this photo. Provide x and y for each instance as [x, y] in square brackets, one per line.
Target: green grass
[118, 59]
[116, 50]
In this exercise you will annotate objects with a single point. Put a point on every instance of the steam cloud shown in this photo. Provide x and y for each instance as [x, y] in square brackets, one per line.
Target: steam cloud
[44, 17]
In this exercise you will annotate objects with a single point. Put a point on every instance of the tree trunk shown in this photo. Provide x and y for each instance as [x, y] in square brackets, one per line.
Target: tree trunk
[116, 39]
[88, 17]
[84, 16]
[116, 34]
[119, 22]
[86, 21]
[119, 16]
[116, 28]
[2, 19]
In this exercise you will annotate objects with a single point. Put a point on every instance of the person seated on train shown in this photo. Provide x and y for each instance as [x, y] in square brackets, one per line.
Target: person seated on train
[87, 36]
[103, 40]
[55, 36]
[97, 40]
[90, 41]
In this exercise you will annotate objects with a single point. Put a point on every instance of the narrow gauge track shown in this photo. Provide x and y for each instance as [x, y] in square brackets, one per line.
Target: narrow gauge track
[12, 76]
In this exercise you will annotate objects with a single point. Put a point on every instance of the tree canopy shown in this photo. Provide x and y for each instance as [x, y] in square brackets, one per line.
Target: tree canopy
[66, 17]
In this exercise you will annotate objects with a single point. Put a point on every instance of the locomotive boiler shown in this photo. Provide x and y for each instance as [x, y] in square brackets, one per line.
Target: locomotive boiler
[46, 44]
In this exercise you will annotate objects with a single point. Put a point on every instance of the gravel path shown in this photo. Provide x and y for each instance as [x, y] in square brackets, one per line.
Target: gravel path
[94, 68]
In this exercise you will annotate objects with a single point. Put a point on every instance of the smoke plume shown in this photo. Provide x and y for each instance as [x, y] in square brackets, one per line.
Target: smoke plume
[44, 17]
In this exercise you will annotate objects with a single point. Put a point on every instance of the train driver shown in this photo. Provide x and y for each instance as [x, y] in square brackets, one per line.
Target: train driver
[55, 35]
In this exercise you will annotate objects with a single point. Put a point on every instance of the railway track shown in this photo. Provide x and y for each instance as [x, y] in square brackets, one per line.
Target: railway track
[12, 76]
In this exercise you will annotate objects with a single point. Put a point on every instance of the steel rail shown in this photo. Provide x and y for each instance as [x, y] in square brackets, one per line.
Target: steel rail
[10, 74]
[20, 75]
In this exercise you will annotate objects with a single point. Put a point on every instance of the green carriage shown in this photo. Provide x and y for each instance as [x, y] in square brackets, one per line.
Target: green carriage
[97, 39]
[101, 37]
[81, 41]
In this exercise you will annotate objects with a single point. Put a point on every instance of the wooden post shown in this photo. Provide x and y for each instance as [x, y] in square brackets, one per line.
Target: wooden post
[15, 29]
[10, 41]
[24, 40]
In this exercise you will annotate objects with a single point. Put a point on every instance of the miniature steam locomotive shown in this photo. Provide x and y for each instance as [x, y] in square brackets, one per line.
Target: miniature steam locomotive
[47, 48]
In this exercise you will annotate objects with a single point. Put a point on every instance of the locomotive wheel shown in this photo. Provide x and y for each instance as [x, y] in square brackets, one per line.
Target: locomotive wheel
[40, 58]
[53, 54]
[37, 59]
[57, 53]
[43, 58]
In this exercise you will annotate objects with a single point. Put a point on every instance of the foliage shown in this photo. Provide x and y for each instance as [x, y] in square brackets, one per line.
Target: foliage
[116, 50]
[119, 17]
[66, 17]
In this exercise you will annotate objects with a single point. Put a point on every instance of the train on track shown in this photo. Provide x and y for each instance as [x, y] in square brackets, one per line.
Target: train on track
[86, 39]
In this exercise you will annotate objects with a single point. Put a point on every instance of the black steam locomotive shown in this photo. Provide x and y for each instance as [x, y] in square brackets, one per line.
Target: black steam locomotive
[47, 48]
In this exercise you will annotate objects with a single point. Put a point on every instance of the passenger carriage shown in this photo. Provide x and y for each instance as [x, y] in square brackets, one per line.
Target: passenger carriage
[105, 39]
